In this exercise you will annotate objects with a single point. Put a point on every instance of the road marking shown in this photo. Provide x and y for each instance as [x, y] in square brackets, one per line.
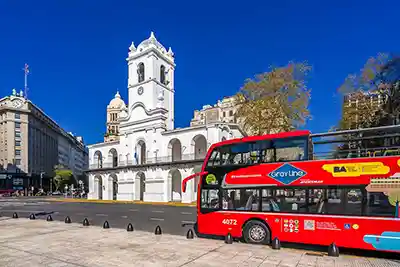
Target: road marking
[101, 214]
[186, 213]
[134, 210]
[189, 222]
[23, 211]
[157, 211]
[124, 216]
[156, 219]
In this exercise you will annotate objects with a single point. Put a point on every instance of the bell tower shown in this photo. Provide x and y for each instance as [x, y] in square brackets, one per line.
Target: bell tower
[112, 124]
[151, 79]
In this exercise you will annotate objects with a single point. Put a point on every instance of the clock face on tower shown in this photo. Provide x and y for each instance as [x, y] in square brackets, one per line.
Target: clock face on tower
[17, 103]
[140, 90]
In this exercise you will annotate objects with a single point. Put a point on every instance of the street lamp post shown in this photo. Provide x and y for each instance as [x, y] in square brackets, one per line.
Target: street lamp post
[41, 180]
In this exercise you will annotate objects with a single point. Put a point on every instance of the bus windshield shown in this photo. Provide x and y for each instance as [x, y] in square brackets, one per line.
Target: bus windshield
[263, 151]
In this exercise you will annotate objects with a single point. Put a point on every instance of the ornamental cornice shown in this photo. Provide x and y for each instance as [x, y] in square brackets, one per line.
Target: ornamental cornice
[134, 56]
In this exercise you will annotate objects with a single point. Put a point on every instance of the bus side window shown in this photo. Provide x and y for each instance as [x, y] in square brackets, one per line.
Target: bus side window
[378, 204]
[210, 198]
[242, 199]
[284, 200]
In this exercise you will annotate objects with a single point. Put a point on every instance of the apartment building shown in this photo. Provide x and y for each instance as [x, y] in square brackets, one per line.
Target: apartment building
[223, 111]
[31, 144]
[360, 107]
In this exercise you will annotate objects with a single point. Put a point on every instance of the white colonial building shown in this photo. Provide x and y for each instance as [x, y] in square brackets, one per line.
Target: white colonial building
[143, 157]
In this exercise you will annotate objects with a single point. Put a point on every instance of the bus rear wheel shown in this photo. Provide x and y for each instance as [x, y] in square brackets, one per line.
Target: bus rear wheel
[256, 232]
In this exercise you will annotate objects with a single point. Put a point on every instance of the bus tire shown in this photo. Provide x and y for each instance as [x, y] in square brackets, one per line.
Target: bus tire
[256, 232]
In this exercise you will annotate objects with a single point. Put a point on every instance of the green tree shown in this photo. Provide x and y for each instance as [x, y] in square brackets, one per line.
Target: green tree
[62, 176]
[275, 101]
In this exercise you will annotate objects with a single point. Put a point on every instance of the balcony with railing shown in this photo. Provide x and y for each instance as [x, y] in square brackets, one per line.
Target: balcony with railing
[145, 161]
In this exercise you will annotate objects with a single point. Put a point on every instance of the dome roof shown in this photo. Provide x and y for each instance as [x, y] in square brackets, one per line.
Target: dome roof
[149, 42]
[117, 102]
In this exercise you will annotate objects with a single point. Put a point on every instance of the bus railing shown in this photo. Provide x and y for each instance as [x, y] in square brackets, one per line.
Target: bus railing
[190, 177]
[356, 143]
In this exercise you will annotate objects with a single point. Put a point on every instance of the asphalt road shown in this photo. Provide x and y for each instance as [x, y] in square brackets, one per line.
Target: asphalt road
[143, 217]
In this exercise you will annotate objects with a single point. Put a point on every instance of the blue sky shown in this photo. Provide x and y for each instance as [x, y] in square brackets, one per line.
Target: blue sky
[77, 49]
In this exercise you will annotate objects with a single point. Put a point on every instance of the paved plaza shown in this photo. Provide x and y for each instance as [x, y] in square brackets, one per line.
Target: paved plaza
[25, 242]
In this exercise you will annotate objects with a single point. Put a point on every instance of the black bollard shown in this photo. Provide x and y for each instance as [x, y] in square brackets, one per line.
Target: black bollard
[49, 218]
[67, 219]
[32, 216]
[189, 234]
[276, 244]
[158, 230]
[106, 225]
[333, 250]
[228, 239]
[15, 215]
[129, 228]
[85, 222]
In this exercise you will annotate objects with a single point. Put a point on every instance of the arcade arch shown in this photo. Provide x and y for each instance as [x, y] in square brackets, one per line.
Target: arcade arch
[141, 182]
[113, 180]
[199, 143]
[140, 152]
[98, 159]
[113, 157]
[175, 177]
[175, 150]
[98, 186]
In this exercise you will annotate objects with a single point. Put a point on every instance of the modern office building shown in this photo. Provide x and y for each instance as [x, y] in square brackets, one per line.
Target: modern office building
[31, 144]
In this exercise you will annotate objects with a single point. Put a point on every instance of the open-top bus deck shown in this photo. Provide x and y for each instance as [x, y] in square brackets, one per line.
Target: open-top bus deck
[266, 187]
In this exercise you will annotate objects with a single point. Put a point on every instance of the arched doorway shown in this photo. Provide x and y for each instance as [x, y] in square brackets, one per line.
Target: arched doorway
[176, 181]
[200, 146]
[114, 182]
[141, 180]
[113, 157]
[140, 152]
[98, 186]
[175, 150]
[98, 160]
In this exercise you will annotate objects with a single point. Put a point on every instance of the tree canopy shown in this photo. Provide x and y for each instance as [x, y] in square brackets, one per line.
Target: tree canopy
[275, 101]
[62, 176]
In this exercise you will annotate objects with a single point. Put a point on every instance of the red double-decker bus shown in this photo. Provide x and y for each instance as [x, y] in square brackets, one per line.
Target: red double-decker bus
[264, 187]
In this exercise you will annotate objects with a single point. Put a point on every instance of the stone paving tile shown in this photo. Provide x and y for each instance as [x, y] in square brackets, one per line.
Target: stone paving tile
[55, 244]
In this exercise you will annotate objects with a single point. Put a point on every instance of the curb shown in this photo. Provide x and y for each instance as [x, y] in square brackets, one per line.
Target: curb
[74, 200]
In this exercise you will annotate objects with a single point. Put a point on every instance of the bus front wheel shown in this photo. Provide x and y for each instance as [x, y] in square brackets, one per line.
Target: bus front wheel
[256, 232]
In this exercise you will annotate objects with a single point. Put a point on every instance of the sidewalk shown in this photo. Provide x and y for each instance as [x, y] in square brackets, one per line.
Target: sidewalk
[83, 200]
[54, 244]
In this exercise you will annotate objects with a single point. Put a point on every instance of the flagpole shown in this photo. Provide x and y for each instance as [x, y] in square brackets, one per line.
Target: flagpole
[26, 72]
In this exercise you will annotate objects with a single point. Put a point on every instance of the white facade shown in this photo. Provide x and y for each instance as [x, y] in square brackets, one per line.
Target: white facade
[151, 158]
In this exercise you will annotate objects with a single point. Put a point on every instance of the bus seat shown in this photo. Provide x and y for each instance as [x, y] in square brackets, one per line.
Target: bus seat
[320, 206]
[249, 204]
